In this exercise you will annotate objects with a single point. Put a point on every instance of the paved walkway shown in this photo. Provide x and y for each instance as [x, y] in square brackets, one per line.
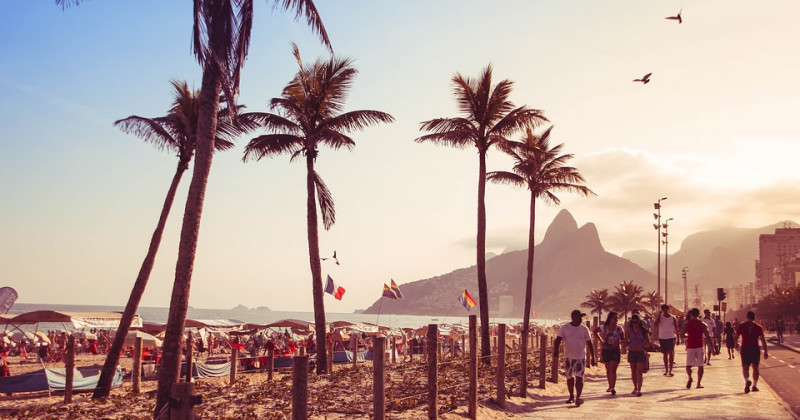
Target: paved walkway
[664, 397]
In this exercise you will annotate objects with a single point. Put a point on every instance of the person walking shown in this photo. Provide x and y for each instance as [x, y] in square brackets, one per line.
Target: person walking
[711, 326]
[610, 335]
[750, 331]
[637, 339]
[780, 327]
[730, 339]
[667, 330]
[695, 332]
[576, 339]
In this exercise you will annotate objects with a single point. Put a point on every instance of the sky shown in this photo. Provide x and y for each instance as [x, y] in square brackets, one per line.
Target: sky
[714, 131]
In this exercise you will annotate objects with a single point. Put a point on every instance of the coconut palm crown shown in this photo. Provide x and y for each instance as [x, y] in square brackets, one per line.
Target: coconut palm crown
[310, 115]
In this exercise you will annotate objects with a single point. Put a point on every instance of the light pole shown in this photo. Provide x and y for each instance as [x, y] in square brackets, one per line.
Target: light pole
[657, 226]
[665, 234]
[684, 274]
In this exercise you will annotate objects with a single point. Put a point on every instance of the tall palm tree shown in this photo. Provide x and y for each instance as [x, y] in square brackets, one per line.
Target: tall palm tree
[488, 117]
[597, 302]
[627, 297]
[652, 302]
[541, 170]
[221, 40]
[309, 116]
[174, 132]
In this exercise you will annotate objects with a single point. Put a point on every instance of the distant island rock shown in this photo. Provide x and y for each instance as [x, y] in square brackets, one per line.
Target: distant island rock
[241, 307]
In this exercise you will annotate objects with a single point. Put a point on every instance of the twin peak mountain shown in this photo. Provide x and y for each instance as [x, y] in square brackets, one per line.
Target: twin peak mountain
[568, 264]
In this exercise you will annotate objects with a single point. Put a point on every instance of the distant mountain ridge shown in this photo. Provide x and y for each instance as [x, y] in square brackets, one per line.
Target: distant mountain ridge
[569, 262]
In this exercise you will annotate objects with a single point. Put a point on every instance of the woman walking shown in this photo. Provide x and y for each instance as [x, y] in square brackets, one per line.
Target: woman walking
[730, 341]
[638, 338]
[610, 335]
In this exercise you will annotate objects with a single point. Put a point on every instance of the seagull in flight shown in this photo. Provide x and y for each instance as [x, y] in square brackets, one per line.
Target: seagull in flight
[645, 79]
[676, 17]
[334, 258]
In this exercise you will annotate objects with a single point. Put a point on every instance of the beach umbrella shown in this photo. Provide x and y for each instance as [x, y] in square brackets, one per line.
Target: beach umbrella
[147, 339]
[42, 337]
[26, 335]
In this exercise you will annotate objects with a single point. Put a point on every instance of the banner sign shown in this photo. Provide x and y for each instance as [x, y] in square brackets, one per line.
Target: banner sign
[7, 298]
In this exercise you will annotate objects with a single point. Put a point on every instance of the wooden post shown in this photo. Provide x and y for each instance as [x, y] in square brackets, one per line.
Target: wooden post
[523, 385]
[136, 375]
[463, 346]
[394, 349]
[425, 346]
[542, 360]
[494, 344]
[501, 366]
[433, 373]
[270, 363]
[234, 365]
[69, 364]
[473, 367]
[596, 324]
[183, 394]
[354, 349]
[329, 348]
[189, 355]
[300, 388]
[554, 367]
[378, 377]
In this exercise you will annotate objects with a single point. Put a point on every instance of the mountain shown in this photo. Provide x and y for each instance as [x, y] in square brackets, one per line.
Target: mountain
[569, 263]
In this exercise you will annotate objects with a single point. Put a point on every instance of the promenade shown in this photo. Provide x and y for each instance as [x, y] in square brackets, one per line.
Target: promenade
[722, 395]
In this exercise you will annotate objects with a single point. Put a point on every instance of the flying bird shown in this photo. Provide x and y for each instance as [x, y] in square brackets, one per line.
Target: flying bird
[677, 17]
[645, 79]
[334, 258]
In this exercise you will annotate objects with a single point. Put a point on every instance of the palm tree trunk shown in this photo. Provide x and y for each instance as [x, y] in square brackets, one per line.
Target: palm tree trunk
[483, 291]
[112, 359]
[206, 131]
[526, 317]
[316, 266]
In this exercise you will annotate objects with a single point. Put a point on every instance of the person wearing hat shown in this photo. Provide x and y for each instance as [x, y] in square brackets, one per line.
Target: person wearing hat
[576, 339]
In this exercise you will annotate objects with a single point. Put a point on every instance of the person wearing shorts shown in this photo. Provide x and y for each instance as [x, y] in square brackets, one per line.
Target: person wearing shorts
[667, 330]
[576, 339]
[751, 332]
[637, 338]
[695, 331]
[610, 334]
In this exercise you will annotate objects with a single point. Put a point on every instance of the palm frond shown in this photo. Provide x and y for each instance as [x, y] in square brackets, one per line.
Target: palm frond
[272, 122]
[307, 9]
[457, 139]
[356, 120]
[151, 130]
[336, 140]
[503, 177]
[271, 145]
[325, 200]
[441, 125]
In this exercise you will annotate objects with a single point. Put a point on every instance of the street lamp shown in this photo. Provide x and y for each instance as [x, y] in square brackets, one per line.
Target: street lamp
[684, 274]
[665, 234]
[657, 226]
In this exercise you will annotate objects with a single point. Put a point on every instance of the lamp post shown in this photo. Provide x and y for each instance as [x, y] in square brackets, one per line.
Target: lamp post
[684, 274]
[665, 234]
[657, 226]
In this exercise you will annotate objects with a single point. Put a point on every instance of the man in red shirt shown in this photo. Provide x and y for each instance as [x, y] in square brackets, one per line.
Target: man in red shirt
[694, 330]
[751, 331]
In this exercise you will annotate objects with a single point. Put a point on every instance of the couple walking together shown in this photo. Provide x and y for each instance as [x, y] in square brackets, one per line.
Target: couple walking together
[617, 340]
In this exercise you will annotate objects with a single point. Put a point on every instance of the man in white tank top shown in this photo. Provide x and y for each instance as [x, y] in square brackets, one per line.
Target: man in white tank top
[667, 329]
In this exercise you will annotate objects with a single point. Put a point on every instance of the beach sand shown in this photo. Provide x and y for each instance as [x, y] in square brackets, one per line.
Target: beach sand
[344, 394]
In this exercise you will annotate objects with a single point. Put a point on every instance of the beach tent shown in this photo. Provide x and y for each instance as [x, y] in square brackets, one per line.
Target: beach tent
[215, 324]
[55, 379]
[294, 324]
[79, 320]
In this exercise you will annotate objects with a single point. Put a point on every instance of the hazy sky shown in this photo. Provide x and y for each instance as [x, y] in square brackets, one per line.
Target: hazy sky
[715, 131]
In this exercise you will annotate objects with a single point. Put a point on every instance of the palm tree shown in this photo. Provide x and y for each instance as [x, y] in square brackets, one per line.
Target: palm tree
[627, 297]
[488, 117]
[221, 40]
[652, 302]
[541, 170]
[174, 132]
[309, 116]
[597, 301]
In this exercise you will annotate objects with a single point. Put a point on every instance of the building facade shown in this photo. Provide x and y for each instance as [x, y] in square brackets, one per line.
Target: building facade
[778, 261]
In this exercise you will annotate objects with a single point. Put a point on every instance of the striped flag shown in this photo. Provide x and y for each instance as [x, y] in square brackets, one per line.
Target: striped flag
[467, 300]
[396, 290]
[388, 292]
[336, 291]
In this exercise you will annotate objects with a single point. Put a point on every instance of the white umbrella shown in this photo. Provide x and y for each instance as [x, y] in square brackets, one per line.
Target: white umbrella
[147, 339]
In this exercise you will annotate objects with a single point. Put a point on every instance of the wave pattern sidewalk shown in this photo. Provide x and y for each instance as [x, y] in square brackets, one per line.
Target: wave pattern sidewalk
[722, 395]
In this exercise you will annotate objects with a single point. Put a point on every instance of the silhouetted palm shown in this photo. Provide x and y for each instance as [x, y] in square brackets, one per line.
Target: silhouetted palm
[541, 170]
[488, 117]
[652, 302]
[309, 116]
[176, 133]
[627, 297]
[597, 302]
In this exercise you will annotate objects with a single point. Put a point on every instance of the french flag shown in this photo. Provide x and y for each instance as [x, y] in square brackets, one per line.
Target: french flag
[336, 291]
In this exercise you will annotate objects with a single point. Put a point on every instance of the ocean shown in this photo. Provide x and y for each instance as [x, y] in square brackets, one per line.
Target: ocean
[263, 316]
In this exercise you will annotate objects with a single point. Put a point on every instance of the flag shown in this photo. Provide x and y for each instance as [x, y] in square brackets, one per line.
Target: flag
[467, 300]
[331, 288]
[396, 290]
[388, 292]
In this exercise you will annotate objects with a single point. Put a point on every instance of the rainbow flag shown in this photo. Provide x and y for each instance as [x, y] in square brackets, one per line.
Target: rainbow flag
[388, 292]
[396, 290]
[467, 300]
[336, 291]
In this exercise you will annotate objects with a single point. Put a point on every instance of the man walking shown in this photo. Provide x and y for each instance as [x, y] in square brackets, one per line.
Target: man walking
[711, 326]
[667, 329]
[695, 331]
[576, 339]
[750, 331]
